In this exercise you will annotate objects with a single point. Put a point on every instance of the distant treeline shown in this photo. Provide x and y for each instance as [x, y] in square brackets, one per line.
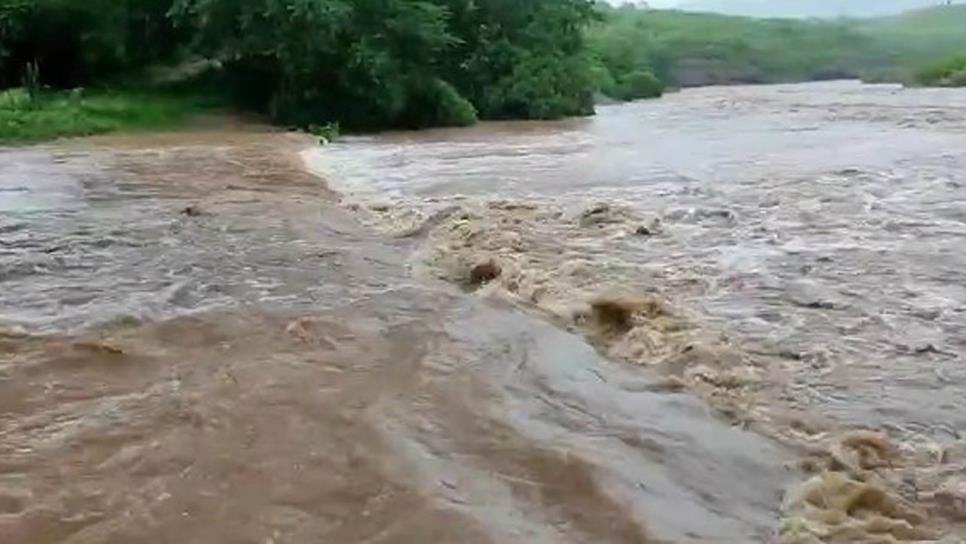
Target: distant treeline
[417, 63]
[688, 49]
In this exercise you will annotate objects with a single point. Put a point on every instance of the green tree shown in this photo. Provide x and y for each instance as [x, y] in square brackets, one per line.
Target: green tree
[411, 63]
[75, 42]
[362, 63]
[523, 58]
[366, 63]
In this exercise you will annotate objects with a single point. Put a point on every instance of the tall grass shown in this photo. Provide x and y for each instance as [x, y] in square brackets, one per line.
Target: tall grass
[33, 116]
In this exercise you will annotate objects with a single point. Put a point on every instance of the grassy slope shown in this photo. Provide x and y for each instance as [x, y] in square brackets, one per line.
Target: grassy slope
[76, 113]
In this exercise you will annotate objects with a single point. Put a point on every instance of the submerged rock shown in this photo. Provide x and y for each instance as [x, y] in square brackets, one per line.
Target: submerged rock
[601, 214]
[192, 211]
[651, 228]
[485, 272]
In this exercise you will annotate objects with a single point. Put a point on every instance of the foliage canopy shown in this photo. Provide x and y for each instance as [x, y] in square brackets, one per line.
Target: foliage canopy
[365, 63]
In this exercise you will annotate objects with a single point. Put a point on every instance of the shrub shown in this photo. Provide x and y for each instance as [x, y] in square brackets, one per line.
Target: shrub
[949, 73]
[435, 102]
[638, 84]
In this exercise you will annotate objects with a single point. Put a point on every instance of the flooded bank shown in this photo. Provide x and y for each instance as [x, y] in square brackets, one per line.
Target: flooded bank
[791, 254]
[198, 344]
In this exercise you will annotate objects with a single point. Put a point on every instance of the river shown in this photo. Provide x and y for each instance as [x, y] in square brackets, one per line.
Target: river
[729, 315]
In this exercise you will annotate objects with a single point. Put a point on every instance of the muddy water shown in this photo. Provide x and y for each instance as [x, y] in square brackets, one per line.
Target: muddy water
[803, 246]
[197, 344]
[829, 218]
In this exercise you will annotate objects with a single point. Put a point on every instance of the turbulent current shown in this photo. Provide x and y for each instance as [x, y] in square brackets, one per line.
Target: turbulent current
[729, 315]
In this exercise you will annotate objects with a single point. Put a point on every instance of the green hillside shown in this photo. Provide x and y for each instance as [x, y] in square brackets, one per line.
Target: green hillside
[806, 8]
[689, 49]
[922, 36]
[943, 22]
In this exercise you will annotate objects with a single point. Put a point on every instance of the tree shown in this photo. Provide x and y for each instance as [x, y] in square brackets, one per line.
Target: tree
[362, 63]
[75, 42]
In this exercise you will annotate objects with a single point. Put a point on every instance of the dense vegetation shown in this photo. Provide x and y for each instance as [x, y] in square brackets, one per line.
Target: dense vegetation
[415, 63]
[365, 63]
[75, 42]
[949, 73]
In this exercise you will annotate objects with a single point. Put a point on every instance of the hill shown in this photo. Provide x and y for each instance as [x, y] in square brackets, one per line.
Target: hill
[806, 8]
[688, 49]
[921, 36]
[937, 22]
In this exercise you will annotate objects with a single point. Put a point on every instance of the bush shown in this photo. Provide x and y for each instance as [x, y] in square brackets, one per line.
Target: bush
[399, 63]
[638, 84]
[435, 102]
[542, 87]
[957, 79]
[326, 133]
[949, 73]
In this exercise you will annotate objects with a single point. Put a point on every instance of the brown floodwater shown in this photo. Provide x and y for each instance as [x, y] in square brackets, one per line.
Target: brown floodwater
[804, 245]
[199, 345]
[827, 218]
[731, 315]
